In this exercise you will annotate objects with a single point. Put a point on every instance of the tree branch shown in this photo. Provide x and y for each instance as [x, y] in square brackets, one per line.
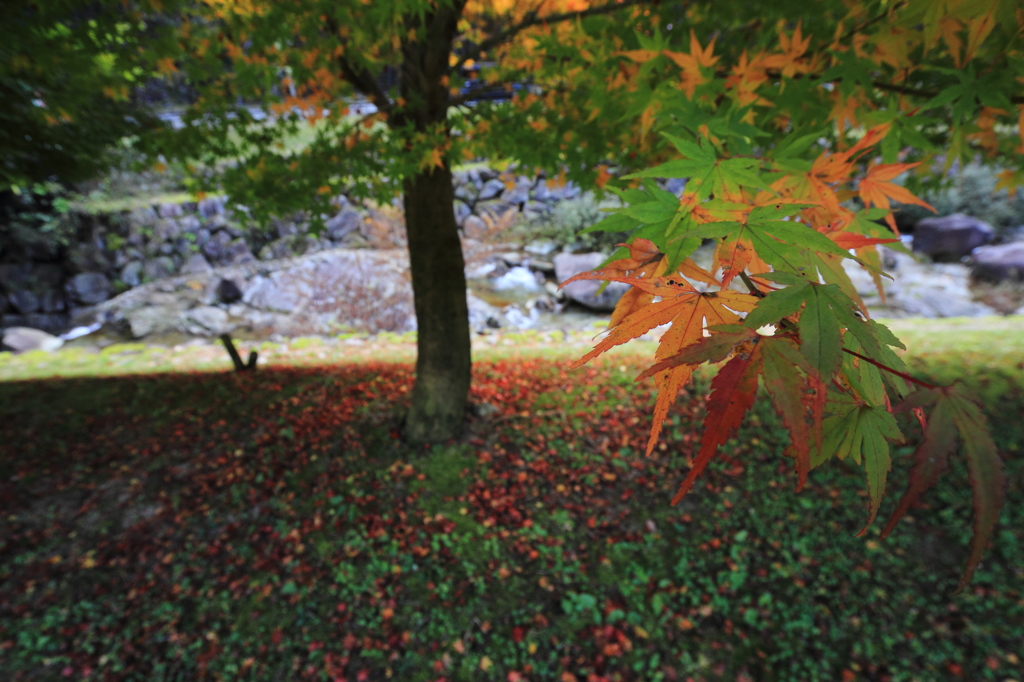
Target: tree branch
[361, 79]
[533, 18]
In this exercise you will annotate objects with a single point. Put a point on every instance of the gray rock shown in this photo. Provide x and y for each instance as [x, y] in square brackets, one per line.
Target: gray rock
[276, 293]
[343, 224]
[196, 265]
[211, 206]
[152, 320]
[24, 339]
[206, 320]
[675, 186]
[584, 292]
[189, 223]
[237, 252]
[88, 288]
[217, 246]
[131, 274]
[24, 301]
[202, 236]
[998, 263]
[461, 211]
[169, 210]
[493, 189]
[951, 237]
[158, 268]
[167, 230]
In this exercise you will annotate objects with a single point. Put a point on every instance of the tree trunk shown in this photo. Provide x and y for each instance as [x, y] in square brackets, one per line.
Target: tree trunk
[443, 363]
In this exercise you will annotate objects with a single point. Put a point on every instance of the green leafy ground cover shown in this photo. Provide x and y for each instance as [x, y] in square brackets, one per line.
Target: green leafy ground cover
[167, 520]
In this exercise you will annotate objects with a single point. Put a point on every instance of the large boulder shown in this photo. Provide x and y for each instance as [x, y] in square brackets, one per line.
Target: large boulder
[998, 263]
[951, 237]
[88, 288]
[24, 339]
[584, 292]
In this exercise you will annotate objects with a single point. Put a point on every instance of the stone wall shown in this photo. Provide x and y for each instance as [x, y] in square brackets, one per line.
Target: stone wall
[114, 252]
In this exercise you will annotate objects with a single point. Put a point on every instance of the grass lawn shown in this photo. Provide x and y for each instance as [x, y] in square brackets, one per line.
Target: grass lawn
[164, 519]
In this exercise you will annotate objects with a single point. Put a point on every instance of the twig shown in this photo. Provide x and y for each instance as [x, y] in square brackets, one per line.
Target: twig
[902, 375]
[533, 18]
[236, 359]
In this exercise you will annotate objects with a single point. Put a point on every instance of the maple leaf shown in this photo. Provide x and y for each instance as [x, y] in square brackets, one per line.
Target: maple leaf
[732, 393]
[876, 190]
[954, 415]
[786, 389]
[780, 243]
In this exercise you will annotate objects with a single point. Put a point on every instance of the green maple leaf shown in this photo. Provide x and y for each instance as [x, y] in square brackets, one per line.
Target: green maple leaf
[954, 414]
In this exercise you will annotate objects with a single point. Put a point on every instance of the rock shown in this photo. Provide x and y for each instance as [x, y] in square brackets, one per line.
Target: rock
[483, 316]
[936, 290]
[87, 258]
[584, 292]
[211, 206]
[461, 211]
[228, 291]
[541, 247]
[169, 210]
[24, 301]
[675, 186]
[274, 293]
[343, 224]
[237, 252]
[512, 259]
[189, 224]
[517, 278]
[216, 247]
[167, 230]
[131, 274]
[206, 320]
[14, 276]
[481, 271]
[474, 227]
[998, 263]
[951, 237]
[158, 268]
[493, 189]
[196, 265]
[88, 288]
[152, 320]
[52, 301]
[24, 339]
[542, 266]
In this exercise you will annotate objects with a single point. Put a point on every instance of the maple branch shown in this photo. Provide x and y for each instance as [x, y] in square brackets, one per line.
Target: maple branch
[902, 375]
[361, 79]
[533, 18]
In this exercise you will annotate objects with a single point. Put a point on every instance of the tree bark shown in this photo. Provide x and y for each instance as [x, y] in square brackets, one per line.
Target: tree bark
[443, 362]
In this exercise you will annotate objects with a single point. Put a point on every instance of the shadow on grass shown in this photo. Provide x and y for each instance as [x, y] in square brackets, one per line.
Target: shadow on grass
[273, 526]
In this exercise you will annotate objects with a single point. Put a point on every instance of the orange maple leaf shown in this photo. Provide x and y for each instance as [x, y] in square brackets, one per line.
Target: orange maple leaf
[876, 190]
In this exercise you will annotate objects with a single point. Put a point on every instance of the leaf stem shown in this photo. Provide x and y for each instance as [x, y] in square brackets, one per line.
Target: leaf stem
[902, 375]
